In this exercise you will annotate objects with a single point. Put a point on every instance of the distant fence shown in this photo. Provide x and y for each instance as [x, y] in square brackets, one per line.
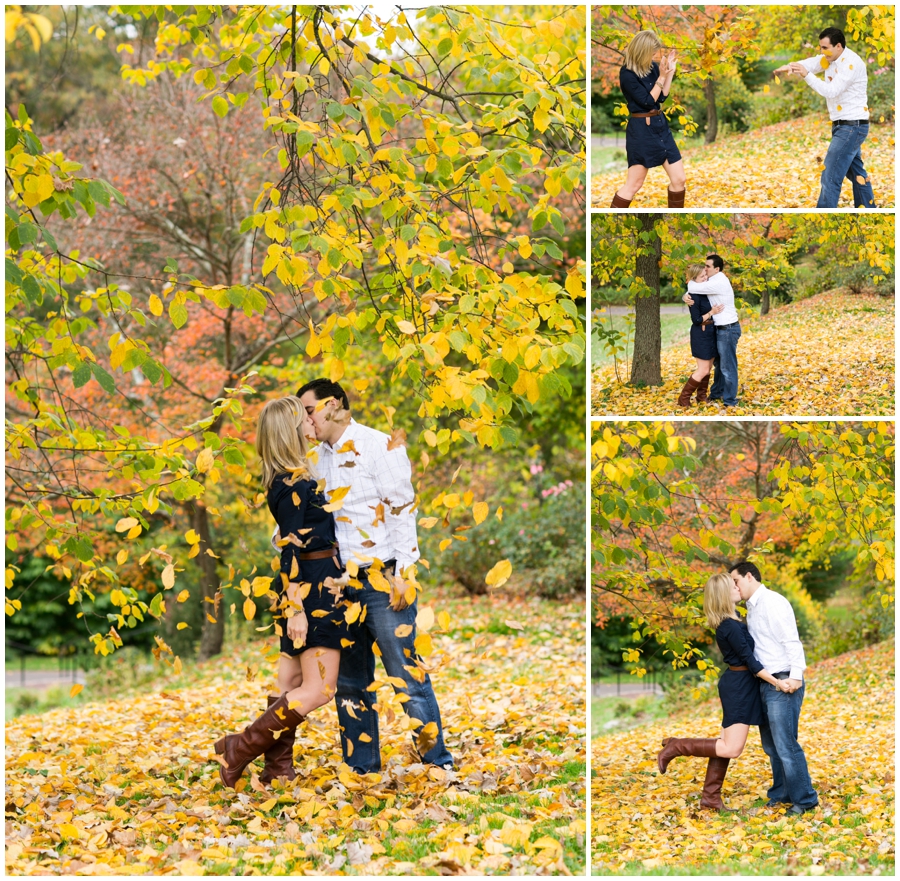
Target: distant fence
[67, 656]
[626, 684]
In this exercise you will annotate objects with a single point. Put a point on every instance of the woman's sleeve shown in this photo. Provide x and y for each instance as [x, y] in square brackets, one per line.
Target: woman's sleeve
[635, 91]
[289, 505]
[696, 313]
[738, 639]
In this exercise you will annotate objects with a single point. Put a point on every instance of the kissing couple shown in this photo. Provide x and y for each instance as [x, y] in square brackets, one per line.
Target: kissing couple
[365, 556]
[750, 693]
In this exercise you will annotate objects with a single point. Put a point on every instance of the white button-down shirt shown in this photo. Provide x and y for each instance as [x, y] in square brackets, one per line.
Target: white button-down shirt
[719, 290]
[771, 622]
[377, 518]
[843, 84]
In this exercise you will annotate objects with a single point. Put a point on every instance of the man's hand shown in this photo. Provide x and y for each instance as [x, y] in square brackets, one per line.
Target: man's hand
[688, 299]
[797, 69]
[399, 588]
[297, 628]
[718, 308]
[793, 685]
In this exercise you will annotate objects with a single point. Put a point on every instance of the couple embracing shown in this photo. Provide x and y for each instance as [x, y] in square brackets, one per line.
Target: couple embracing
[322, 656]
[751, 693]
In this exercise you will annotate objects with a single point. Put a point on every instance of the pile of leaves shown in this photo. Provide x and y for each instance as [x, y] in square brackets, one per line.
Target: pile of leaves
[832, 353]
[646, 823]
[129, 786]
[778, 166]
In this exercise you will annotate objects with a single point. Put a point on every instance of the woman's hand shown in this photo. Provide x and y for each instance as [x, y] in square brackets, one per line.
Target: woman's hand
[297, 628]
[673, 59]
[718, 308]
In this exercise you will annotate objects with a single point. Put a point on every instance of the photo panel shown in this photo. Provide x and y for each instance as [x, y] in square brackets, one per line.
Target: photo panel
[791, 314]
[742, 107]
[742, 647]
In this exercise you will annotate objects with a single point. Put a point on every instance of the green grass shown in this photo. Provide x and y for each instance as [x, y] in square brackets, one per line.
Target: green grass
[675, 329]
[632, 712]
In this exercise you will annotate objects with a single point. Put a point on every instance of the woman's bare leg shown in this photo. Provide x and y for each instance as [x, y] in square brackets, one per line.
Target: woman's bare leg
[290, 673]
[703, 368]
[320, 672]
[731, 744]
[633, 182]
[677, 177]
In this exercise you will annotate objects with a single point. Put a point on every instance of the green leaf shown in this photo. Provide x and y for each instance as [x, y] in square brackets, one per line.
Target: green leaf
[107, 383]
[407, 232]
[12, 138]
[178, 313]
[81, 374]
[220, 106]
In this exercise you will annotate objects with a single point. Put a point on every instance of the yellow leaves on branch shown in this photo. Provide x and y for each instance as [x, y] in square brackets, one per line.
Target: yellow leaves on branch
[641, 819]
[773, 167]
[802, 359]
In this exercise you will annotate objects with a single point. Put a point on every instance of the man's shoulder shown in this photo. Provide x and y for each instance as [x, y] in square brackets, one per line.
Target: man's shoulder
[367, 438]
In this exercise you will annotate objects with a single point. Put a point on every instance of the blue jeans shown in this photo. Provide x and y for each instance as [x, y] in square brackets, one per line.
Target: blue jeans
[778, 732]
[725, 380]
[357, 672]
[844, 160]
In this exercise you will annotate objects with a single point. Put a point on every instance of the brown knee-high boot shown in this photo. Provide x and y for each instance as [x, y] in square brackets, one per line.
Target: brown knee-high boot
[239, 750]
[684, 399]
[619, 202]
[685, 746]
[280, 757]
[676, 198]
[716, 769]
[703, 390]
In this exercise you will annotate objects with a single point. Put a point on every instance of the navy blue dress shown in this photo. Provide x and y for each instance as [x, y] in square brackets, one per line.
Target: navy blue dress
[648, 145]
[703, 339]
[299, 511]
[739, 689]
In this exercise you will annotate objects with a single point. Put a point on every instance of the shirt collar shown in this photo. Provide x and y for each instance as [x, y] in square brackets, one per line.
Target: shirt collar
[348, 434]
[756, 596]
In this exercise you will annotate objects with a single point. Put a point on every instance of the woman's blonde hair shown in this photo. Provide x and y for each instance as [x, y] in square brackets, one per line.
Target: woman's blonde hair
[717, 602]
[279, 439]
[639, 52]
[694, 270]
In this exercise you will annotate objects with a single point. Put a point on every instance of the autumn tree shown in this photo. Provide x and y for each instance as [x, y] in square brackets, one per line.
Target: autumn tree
[671, 507]
[391, 225]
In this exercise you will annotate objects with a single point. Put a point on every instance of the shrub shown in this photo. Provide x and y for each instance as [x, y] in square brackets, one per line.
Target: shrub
[542, 537]
[881, 95]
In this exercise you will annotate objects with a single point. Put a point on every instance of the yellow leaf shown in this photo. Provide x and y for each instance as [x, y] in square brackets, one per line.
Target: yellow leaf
[443, 619]
[574, 286]
[121, 557]
[191, 537]
[499, 574]
[351, 613]
[480, 511]
[451, 500]
[249, 609]
[450, 146]
[424, 645]
[156, 305]
[126, 523]
[541, 119]
[77, 688]
[425, 618]
[177, 666]
[205, 460]
[402, 630]
[183, 595]
[168, 576]
[181, 625]
[407, 327]
[67, 830]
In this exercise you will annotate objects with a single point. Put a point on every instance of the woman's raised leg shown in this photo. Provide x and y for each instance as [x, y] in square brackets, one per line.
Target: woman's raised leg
[731, 744]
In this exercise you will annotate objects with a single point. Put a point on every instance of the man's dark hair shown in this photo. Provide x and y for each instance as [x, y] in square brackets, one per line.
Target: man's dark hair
[324, 388]
[717, 261]
[834, 36]
[745, 568]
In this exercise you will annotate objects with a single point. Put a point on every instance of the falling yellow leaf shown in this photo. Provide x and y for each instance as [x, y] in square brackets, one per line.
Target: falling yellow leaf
[168, 576]
[499, 574]
[480, 511]
[76, 689]
[402, 630]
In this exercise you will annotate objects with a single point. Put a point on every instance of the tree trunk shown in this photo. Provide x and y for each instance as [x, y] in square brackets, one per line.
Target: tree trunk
[645, 366]
[764, 307]
[213, 633]
[712, 118]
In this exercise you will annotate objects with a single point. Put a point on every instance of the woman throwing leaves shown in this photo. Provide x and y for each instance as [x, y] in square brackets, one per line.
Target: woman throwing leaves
[311, 639]
[738, 691]
[648, 141]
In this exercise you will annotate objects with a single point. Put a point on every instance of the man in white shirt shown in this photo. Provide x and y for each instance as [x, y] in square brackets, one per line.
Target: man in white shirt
[843, 87]
[376, 530]
[771, 622]
[728, 329]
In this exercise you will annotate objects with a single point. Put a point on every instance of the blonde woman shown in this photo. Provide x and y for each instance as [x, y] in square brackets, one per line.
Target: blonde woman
[703, 340]
[313, 621]
[738, 691]
[648, 141]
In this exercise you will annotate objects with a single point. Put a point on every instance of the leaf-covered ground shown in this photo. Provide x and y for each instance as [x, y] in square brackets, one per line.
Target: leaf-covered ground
[129, 786]
[646, 823]
[832, 354]
[778, 166]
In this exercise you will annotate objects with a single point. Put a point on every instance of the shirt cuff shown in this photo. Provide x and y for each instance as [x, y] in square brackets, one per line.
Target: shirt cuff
[797, 673]
[401, 565]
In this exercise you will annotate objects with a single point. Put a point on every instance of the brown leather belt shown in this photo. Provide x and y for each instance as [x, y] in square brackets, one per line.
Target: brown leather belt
[736, 668]
[319, 555]
[646, 115]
